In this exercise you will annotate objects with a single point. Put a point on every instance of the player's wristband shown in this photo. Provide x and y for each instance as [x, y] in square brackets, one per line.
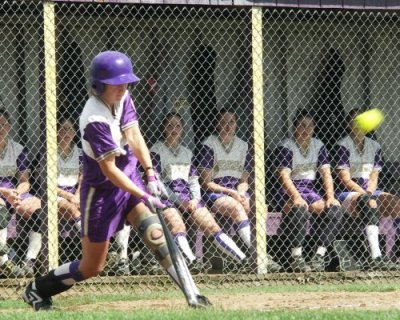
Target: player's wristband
[149, 168]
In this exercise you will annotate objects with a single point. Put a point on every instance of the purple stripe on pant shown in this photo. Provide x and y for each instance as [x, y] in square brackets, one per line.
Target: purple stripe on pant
[104, 211]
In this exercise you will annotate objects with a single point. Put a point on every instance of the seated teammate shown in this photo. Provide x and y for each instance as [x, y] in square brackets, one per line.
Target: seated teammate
[300, 158]
[174, 163]
[358, 164]
[224, 164]
[15, 196]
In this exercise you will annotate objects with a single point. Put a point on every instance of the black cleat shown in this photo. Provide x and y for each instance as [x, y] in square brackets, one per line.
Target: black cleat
[201, 303]
[35, 300]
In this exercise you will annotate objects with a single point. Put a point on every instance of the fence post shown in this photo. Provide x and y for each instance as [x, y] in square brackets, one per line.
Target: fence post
[51, 130]
[258, 125]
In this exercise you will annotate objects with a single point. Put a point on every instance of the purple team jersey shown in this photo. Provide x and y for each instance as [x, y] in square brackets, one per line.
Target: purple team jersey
[303, 169]
[69, 169]
[12, 162]
[360, 164]
[104, 206]
[226, 163]
[177, 171]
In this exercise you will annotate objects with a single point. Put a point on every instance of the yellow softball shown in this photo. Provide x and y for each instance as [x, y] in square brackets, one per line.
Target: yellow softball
[369, 120]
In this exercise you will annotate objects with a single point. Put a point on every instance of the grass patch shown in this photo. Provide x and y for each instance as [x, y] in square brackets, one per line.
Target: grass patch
[205, 314]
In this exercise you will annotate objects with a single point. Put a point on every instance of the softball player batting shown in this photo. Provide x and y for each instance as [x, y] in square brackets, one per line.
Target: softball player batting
[112, 191]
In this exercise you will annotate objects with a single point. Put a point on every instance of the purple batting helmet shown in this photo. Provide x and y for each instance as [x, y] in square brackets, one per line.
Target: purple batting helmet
[111, 67]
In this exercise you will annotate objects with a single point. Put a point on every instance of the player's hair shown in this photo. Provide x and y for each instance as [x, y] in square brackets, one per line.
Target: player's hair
[5, 114]
[224, 110]
[168, 116]
[300, 115]
[61, 118]
[350, 117]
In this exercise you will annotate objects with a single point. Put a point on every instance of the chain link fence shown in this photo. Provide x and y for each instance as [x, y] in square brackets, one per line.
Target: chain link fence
[227, 84]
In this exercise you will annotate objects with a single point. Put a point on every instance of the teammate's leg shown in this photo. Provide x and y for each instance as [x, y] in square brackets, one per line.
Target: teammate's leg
[326, 227]
[69, 212]
[203, 220]
[30, 212]
[293, 228]
[366, 208]
[178, 230]
[8, 268]
[122, 242]
[230, 208]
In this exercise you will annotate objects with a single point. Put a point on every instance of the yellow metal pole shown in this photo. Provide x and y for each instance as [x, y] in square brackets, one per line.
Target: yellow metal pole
[51, 129]
[258, 125]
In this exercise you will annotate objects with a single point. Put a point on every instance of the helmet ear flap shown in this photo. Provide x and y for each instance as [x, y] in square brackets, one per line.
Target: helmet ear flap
[98, 87]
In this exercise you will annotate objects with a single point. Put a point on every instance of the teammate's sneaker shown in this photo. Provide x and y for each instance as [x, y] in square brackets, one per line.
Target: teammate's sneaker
[229, 266]
[197, 266]
[35, 300]
[201, 303]
[346, 260]
[121, 268]
[317, 263]
[29, 268]
[382, 264]
[110, 265]
[272, 266]
[4, 249]
[136, 264]
[11, 270]
[152, 267]
[298, 264]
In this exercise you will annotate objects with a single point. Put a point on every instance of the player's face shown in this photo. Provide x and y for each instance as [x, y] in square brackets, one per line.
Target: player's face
[304, 129]
[113, 94]
[227, 125]
[66, 132]
[5, 128]
[173, 129]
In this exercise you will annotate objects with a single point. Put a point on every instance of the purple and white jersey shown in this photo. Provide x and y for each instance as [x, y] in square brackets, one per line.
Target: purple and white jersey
[102, 136]
[176, 169]
[360, 164]
[303, 167]
[12, 161]
[69, 169]
[227, 163]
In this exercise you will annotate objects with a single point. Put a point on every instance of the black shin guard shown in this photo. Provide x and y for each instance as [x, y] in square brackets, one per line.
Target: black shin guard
[293, 226]
[370, 216]
[328, 225]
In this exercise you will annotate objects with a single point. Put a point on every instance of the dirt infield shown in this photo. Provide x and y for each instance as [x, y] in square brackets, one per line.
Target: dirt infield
[267, 302]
